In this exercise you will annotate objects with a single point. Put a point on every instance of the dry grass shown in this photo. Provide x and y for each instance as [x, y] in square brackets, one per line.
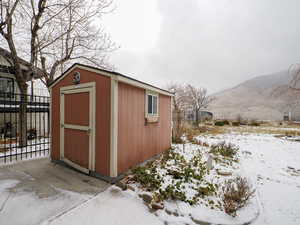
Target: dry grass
[192, 132]
[265, 130]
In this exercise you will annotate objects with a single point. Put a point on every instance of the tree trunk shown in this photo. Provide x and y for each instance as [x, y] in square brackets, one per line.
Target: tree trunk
[197, 117]
[23, 117]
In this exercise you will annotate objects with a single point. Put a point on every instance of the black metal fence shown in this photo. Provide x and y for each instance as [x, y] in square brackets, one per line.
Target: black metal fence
[37, 127]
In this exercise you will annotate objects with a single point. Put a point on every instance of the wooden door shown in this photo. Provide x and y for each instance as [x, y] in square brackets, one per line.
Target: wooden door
[77, 127]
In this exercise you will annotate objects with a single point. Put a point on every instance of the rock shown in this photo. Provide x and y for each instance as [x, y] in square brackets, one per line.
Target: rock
[127, 179]
[247, 152]
[224, 173]
[171, 212]
[121, 185]
[130, 187]
[157, 206]
[209, 162]
[147, 197]
[199, 221]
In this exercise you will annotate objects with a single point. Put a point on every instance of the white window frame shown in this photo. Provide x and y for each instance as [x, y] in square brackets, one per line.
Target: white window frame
[151, 115]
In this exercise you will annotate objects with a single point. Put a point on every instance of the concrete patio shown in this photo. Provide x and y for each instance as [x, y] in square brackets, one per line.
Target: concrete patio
[37, 190]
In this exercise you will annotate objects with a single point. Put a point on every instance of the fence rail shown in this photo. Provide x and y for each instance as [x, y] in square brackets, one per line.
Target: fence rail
[37, 126]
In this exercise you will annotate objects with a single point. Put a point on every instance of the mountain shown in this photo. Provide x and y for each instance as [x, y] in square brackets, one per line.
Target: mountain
[264, 97]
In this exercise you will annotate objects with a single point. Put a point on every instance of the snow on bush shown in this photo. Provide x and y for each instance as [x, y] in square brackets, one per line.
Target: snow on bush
[235, 194]
[182, 174]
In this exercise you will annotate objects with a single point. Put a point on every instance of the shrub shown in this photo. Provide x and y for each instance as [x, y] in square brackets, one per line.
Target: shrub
[170, 192]
[219, 123]
[224, 149]
[202, 129]
[192, 131]
[291, 133]
[254, 123]
[235, 194]
[207, 190]
[177, 140]
[148, 178]
[226, 122]
[222, 123]
[172, 155]
[235, 123]
[239, 118]
[181, 173]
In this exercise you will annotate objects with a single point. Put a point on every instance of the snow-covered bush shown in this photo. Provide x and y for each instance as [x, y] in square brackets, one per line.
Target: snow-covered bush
[235, 194]
[176, 177]
[148, 177]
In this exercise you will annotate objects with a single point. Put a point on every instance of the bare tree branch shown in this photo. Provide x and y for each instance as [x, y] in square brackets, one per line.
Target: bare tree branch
[56, 33]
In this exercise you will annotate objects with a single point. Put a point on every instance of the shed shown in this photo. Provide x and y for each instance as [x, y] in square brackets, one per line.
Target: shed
[104, 123]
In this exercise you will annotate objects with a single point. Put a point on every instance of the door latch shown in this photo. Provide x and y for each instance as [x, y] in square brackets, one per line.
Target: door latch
[88, 131]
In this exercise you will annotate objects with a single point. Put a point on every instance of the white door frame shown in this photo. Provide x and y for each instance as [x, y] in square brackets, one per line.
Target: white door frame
[72, 89]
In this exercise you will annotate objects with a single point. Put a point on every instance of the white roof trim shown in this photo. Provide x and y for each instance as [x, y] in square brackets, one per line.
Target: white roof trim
[116, 77]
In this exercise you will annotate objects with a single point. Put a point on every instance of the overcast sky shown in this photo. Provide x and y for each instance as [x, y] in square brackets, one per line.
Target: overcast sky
[210, 43]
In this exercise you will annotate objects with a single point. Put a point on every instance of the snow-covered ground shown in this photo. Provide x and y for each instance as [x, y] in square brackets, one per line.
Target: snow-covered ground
[112, 207]
[36, 148]
[272, 163]
[275, 165]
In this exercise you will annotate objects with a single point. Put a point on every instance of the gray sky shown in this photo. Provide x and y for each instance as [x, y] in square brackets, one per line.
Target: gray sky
[210, 43]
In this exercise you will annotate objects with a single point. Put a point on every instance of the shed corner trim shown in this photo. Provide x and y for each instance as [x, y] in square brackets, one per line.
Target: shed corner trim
[114, 128]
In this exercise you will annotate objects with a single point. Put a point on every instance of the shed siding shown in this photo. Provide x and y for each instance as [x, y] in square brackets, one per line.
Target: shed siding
[138, 141]
[102, 141]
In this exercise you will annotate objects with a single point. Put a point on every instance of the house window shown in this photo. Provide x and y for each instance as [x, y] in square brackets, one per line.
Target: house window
[6, 87]
[152, 104]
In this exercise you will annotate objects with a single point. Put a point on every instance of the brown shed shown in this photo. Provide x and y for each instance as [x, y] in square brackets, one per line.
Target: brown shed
[103, 122]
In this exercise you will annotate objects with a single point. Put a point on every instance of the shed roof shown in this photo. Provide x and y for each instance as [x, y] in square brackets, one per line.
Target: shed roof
[120, 77]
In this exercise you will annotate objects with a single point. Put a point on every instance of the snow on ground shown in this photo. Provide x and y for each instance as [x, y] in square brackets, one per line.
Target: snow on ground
[202, 212]
[271, 162]
[112, 207]
[34, 147]
[275, 165]
[130, 209]
[37, 148]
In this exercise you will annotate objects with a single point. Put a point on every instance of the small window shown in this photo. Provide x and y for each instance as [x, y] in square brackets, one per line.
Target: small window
[152, 104]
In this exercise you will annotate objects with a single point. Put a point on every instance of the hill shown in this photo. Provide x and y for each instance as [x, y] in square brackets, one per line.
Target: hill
[264, 97]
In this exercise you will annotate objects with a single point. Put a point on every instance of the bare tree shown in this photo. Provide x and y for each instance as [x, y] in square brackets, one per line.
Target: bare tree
[51, 34]
[179, 104]
[198, 99]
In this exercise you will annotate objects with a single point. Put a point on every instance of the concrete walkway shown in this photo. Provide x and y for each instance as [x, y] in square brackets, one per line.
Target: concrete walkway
[36, 190]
